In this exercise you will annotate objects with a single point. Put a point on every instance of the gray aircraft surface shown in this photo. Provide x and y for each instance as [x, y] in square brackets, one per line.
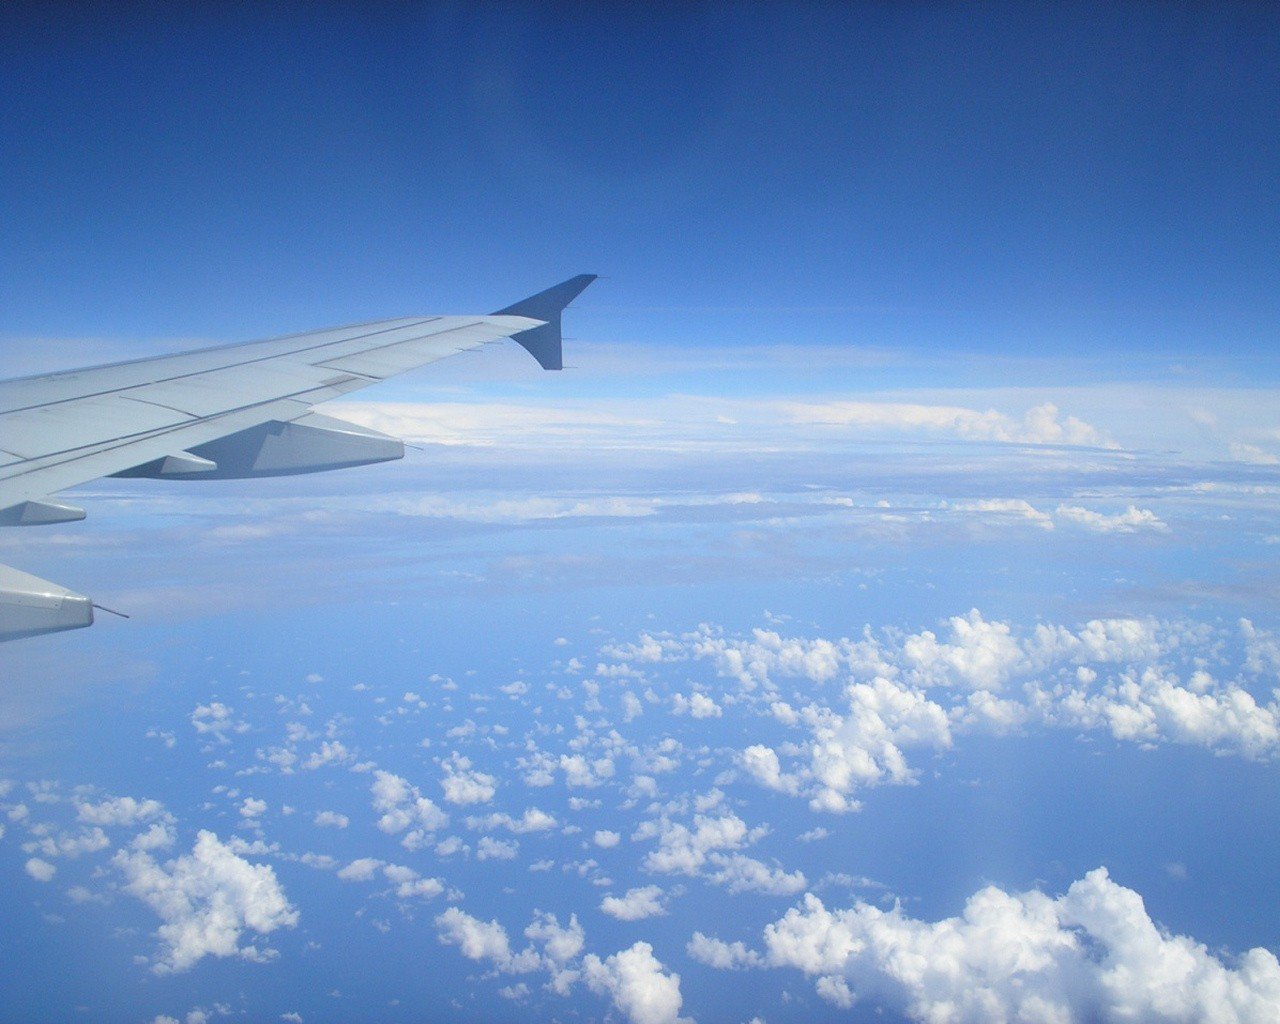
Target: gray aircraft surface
[232, 412]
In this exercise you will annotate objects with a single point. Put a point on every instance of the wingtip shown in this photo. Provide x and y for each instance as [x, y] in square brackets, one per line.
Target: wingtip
[544, 343]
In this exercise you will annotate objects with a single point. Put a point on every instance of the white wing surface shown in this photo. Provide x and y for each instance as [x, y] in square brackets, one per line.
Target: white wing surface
[230, 412]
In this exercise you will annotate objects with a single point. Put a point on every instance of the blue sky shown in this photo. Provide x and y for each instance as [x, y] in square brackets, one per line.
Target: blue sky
[1009, 176]
[877, 621]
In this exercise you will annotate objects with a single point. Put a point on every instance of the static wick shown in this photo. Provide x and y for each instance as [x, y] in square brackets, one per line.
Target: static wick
[112, 611]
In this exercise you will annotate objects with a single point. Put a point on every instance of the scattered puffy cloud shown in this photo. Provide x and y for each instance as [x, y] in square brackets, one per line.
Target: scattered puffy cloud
[1261, 649]
[463, 784]
[696, 705]
[1010, 508]
[531, 509]
[207, 900]
[725, 956]
[489, 848]
[532, 820]
[406, 883]
[121, 811]
[1153, 706]
[217, 720]
[905, 692]
[560, 944]
[403, 809]
[252, 808]
[158, 836]
[67, 844]
[636, 904]
[582, 772]
[762, 764]
[330, 752]
[199, 1015]
[475, 939]
[1131, 520]
[756, 660]
[838, 715]
[419, 888]
[1041, 424]
[637, 983]
[1091, 954]
[710, 849]
[864, 746]
[362, 869]
[739, 873]
[684, 850]
[979, 654]
[40, 870]
[631, 707]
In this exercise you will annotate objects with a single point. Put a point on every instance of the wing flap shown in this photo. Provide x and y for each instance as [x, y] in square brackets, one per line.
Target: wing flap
[31, 481]
[209, 393]
[304, 349]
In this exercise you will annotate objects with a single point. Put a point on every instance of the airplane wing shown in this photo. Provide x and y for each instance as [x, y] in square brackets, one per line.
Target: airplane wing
[232, 412]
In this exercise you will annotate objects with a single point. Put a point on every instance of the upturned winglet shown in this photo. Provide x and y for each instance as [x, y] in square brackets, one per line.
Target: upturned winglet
[543, 343]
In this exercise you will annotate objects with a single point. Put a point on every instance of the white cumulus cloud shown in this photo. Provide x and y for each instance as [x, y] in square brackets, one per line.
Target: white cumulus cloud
[217, 720]
[635, 904]
[1093, 954]
[476, 939]
[977, 653]
[1131, 520]
[121, 811]
[1041, 424]
[403, 809]
[637, 983]
[40, 870]
[463, 784]
[207, 900]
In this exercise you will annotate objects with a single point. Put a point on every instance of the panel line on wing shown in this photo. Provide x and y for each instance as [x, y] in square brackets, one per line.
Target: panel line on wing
[192, 433]
[49, 460]
[267, 357]
[159, 405]
[389, 360]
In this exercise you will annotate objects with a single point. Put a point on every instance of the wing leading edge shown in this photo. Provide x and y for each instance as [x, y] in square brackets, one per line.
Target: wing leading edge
[231, 412]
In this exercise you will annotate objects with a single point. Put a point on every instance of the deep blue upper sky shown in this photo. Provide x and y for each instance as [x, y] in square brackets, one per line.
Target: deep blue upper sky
[1094, 175]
